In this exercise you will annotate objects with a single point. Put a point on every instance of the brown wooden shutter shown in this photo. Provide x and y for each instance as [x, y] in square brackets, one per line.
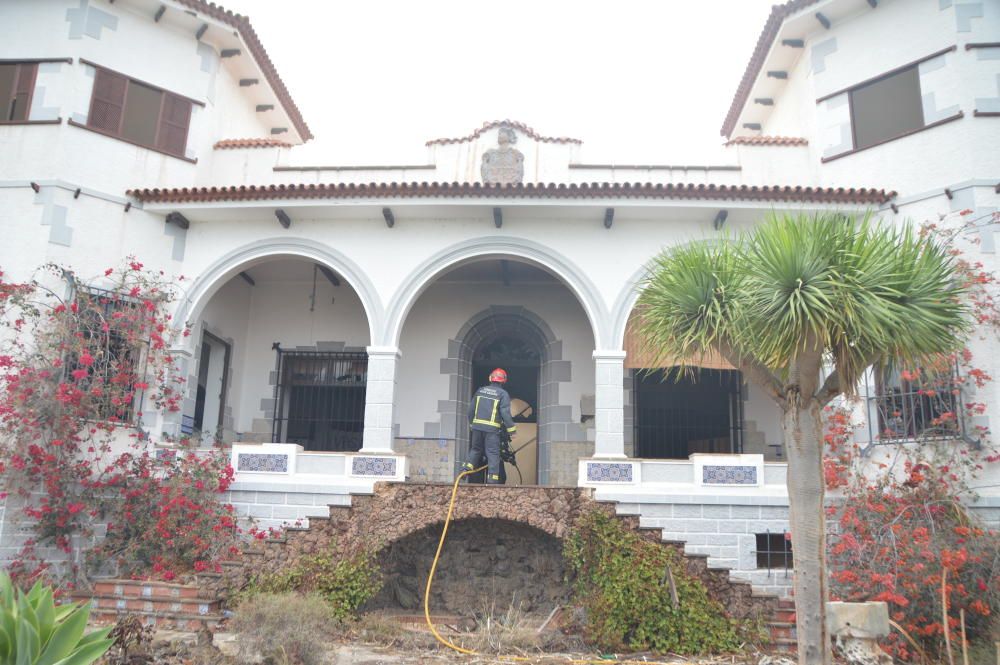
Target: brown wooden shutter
[22, 91]
[174, 121]
[108, 102]
[638, 356]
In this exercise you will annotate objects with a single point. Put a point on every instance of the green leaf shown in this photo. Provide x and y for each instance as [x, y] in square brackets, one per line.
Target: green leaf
[67, 636]
[6, 645]
[95, 636]
[86, 654]
[46, 611]
[27, 644]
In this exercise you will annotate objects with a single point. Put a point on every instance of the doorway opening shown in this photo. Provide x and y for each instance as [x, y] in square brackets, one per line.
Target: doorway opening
[210, 399]
[523, 363]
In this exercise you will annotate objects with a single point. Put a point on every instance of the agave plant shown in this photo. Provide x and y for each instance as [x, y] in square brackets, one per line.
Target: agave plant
[36, 631]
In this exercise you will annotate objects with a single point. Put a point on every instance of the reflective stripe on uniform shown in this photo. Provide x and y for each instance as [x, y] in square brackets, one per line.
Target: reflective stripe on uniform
[492, 422]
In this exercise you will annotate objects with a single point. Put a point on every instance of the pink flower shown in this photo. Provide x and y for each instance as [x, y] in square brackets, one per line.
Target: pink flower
[86, 359]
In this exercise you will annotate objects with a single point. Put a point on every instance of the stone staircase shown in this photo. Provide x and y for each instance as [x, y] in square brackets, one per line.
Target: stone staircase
[160, 604]
[395, 510]
[781, 626]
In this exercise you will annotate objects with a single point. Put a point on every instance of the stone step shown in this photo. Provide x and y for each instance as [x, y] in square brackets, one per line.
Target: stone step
[160, 620]
[781, 629]
[192, 606]
[144, 589]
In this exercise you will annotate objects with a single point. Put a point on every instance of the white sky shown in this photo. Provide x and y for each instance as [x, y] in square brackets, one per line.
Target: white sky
[637, 80]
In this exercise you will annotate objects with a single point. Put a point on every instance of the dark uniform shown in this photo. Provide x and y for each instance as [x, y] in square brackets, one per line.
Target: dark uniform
[489, 413]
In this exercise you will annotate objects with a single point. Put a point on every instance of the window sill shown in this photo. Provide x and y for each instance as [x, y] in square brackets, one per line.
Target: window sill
[55, 121]
[943, 121]
[986, 114]
[124, 140]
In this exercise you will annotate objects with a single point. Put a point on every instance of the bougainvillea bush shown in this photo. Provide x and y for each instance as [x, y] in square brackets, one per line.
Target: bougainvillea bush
[901, 528]
[80, 362]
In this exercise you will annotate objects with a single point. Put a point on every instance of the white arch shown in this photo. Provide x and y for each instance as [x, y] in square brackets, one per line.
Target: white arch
[223, 269]
[622, 308]
[575, 279]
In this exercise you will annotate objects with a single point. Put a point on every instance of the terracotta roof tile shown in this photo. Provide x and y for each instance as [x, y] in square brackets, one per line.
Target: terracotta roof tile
[596, 190]
[242, 24]
[768, 140]
[510, 123]
[767, 36]
[229, 144]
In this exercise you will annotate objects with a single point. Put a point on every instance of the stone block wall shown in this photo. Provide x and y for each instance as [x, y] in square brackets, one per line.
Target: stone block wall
[725, 532]
[564, 458]
[430, 460]
[269, 505]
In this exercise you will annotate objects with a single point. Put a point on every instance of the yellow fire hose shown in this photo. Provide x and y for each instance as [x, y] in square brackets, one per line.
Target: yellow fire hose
[470, 652]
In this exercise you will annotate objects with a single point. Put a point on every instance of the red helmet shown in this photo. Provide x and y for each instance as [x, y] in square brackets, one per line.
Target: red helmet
[498, 376]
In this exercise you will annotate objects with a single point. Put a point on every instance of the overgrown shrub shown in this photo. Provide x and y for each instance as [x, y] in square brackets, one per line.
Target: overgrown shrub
[624, 584]
[903, 538]
[80, 361]
[345, 583]
[284, 628]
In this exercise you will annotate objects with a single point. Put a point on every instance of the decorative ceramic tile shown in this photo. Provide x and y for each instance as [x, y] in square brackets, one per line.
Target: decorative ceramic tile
[187, 424]
[166, 454]
[728, 475]
[121, 604]
[203, 610]
[147, 592]
[175, 607]
[148, 606]
[373, 466]
[262, 462]
[609, 472]
[118, 589]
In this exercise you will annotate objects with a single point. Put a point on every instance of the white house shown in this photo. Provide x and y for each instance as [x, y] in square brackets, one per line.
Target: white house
[342, 315]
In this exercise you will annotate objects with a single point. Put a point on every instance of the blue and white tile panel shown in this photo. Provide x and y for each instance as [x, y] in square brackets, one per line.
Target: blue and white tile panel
[596, 473]
[269, 458]
[728, 470]
[381, 467]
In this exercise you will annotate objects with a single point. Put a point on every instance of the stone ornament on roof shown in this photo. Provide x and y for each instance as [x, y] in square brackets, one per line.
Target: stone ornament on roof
[503, 165]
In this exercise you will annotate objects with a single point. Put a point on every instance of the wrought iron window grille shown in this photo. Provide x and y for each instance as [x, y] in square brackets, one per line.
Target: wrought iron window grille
[774, 553]
[918, 406]
[319, 399]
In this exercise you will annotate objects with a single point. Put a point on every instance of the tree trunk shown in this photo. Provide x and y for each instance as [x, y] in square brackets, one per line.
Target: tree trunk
[803, 429]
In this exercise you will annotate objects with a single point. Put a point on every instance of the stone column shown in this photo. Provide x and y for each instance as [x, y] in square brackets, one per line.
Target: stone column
[609, 404]
[380, 396]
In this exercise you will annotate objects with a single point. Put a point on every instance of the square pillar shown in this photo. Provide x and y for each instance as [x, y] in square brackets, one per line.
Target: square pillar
[609, 404]
[380, 396]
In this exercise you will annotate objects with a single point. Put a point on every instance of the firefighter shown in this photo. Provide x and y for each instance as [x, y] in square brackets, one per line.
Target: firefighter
[489, 415]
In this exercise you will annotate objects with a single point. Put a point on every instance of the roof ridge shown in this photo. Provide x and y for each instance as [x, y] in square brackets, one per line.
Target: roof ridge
[225, 144]
[529, 131]
[766, 139]
[862, 195]
[771, 28]
[249, 35]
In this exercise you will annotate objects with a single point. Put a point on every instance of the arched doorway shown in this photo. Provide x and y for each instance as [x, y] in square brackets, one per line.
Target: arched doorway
[513, 342]
[484, 313]
[279, 356]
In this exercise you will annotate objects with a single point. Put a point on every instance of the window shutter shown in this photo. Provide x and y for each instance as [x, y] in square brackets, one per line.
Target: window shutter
[107, 102]
[174, 121]
[22, 91]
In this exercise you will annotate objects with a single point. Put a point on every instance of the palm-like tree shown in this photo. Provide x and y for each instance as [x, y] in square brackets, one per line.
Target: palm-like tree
[793, 301]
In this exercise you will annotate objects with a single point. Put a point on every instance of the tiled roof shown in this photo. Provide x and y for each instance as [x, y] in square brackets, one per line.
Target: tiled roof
[520, 126]
[596, 190]
[767, 37]
[768, 140]
[242, 24]
[229, 144]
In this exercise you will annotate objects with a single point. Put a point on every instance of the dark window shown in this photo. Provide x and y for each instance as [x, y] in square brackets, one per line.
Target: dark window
[924, 403]
[116, 358]
[886, 108]
[320, 399]
[139, 113]
[774, 550]
[700, 412]
[17, 82]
